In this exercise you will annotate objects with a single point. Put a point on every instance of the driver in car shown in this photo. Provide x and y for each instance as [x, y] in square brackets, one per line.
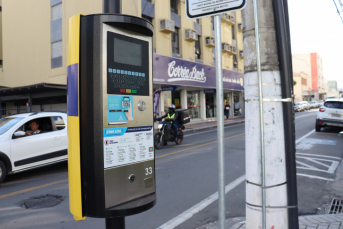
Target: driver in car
[34, 128]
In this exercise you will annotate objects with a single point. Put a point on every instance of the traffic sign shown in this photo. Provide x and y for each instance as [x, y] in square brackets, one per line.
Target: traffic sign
[203, 8]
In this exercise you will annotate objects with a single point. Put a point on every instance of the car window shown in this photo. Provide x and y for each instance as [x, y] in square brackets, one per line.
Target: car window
[334, 104]
[8, 123]
[297, 104]
[59, 122]
[44, 125]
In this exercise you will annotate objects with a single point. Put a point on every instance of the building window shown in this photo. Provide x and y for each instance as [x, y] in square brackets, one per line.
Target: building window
[212, 22]
[233, 31]
[303, 81]
[235, 64]
[56, 35]
[197, 20]
[56, 49]
[174, 6]
[175, 42]
[197, 48]
[213, 56]
[56, 12]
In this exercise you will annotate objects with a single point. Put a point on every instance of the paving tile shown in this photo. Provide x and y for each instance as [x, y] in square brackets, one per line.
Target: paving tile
[323, 226]
[333, 226]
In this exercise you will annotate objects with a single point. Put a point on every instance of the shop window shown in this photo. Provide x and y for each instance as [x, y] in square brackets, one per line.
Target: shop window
[197, 48]
[237, 104]
[175, 42]
[174, 6]
[193, 103]
[211, 105]
[171, 97]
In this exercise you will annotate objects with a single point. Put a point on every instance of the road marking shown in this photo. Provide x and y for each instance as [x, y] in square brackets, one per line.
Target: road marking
[305, 136]
[214, 129]
[314, 155]
[179, 151]
[200, 206]
[315, 177]
[31, 189]
[304, 116]
[330, 168]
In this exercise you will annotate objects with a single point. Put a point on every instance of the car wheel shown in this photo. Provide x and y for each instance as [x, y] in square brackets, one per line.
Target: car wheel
[3, 172]
[318, 128]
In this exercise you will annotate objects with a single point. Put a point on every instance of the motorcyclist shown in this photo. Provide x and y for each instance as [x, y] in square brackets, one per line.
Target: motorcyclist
[171, 117]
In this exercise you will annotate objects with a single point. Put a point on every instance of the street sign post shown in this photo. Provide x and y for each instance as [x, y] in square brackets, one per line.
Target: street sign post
[204, 8]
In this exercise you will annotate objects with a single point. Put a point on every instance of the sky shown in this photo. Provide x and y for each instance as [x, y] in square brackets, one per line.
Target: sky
[316, 27]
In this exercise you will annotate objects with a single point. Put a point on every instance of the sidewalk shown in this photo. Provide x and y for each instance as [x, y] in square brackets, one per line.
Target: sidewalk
[203, 125]
[327, 221]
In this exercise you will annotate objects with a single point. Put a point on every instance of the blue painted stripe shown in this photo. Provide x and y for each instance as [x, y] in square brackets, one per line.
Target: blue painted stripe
[73, 90]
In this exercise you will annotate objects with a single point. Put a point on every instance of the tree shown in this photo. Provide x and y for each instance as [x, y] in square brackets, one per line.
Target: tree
[294, 82]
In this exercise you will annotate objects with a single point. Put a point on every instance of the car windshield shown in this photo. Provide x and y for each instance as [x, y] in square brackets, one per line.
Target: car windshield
[296, 104]
[8, 123]
[334, 104]
[313, 102]
[320, 101]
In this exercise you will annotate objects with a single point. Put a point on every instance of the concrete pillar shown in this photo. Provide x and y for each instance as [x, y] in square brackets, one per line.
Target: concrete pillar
[202, 105]
[184, 98]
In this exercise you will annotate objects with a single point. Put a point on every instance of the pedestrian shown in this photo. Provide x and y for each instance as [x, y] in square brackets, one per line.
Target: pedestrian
[227, 110]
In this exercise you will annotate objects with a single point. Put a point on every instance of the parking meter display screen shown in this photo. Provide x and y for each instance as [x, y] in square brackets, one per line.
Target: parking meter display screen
[127, 65]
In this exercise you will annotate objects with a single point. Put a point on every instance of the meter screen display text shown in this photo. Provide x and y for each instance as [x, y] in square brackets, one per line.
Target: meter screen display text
[127, 65]
[127, 52]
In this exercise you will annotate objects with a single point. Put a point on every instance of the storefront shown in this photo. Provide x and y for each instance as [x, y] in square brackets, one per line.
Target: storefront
[190, 85]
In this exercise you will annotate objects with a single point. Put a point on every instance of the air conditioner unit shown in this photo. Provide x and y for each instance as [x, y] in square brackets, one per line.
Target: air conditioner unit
[240, 27]
[241, 54]
[225, 47]
[191, 35]
[210, 42]
[167, 26]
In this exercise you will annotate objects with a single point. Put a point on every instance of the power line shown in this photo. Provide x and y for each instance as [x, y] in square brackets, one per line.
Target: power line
[338, 11]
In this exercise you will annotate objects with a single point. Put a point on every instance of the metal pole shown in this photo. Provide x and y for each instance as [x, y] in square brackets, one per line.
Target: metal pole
[220, 122]
[112, 6]
[260, 95]
[115, 223]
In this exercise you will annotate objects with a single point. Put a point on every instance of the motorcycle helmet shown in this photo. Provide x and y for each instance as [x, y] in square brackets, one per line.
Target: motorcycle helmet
[171, 108]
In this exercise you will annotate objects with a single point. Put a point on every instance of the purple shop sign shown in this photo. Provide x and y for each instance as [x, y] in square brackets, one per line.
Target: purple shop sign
[157, 95]
[172, 71]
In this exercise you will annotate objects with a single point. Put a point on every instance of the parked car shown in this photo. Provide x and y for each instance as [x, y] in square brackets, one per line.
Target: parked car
[313, 104]
[298, 107]
[22, 149]
[330, 114]
[306, 105]
[321, 103]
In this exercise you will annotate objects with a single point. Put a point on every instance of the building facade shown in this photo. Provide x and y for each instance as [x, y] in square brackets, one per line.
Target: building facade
[302, 90]
[312, 65]
[33, 51]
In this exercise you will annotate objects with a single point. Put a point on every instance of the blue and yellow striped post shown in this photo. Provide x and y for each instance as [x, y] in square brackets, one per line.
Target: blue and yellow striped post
[74, 158]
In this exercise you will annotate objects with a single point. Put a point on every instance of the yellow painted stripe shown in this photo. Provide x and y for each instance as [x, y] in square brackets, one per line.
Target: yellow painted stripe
[73, 38]
[168, 154]
[31, 189]
[74, 168]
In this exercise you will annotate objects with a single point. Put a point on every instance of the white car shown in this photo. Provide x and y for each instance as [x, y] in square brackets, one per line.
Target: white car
[330, 114]
[20, 151]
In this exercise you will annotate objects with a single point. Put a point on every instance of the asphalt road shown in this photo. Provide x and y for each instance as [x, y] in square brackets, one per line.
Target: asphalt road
[187, 176]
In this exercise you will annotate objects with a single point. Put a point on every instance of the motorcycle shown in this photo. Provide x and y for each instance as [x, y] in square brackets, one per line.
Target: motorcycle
[166, 134]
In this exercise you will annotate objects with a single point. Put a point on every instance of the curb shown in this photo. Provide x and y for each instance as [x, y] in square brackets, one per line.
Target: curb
[210, 127]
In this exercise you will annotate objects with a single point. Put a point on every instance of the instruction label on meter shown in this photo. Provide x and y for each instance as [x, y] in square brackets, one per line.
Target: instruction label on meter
[128, 145]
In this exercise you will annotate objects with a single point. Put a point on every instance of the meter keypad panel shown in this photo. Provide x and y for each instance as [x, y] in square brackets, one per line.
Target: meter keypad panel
[127, 65]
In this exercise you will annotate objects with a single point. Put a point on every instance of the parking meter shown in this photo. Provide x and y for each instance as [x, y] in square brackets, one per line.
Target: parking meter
[110, 116]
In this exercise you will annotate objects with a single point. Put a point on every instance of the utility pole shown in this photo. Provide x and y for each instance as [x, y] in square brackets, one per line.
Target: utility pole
[271, 193]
